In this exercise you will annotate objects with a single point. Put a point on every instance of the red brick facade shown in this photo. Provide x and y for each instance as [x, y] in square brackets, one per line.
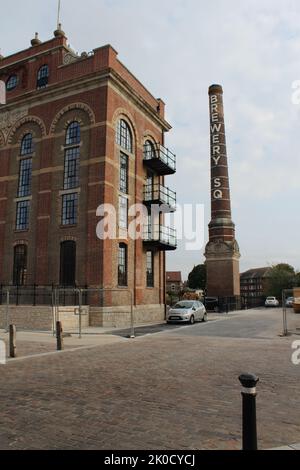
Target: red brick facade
[96, 91]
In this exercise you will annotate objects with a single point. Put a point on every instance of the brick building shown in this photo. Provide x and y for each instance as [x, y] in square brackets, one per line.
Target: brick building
[174, 282]
[254, 282]
[79, 131]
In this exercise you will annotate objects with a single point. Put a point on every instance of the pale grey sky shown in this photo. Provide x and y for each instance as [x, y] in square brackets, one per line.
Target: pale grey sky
[177, 48]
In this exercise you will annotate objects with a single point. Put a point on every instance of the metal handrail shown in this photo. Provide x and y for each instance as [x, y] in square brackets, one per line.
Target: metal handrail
[158, 192]
[157, 150]
[160, 233]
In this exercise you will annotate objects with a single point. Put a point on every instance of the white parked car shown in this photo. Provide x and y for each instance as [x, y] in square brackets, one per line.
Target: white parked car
[271, 302]
[187, 311]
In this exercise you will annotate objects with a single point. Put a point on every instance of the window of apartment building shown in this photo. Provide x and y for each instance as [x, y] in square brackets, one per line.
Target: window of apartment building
[27, 145]
[69, 209]
[149, 150]
[122, 265]
[124, 173]
[123, 136]
[25, 175]
[20, 265]
[42, 77]
[123, 212]
[67, 263]
[71, 171]
[22, 217]
[149, 193]
[73, 134]
[12, 82]
[150, 268]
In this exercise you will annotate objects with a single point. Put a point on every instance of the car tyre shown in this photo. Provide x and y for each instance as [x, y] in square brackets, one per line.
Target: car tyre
[192, 320]
[205, 318]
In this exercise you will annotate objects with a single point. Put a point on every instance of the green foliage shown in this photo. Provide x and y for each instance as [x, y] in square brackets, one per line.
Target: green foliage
[197, 277]
[282, 276]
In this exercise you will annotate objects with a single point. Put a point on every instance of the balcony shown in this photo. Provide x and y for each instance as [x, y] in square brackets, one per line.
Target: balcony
[159, 194]
[159, 159]
[160, 237]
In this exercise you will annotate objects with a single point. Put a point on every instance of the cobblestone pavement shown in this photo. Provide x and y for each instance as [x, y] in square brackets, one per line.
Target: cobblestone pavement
[174, 390]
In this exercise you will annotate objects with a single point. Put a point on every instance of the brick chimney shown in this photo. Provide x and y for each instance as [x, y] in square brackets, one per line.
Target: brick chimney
[222, 251]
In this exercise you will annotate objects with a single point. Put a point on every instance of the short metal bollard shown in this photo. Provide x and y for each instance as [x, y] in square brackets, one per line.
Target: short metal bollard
[12, 341]
[59, 336]
[249, 382]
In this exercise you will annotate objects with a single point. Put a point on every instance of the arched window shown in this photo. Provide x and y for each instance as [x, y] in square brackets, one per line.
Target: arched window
[20, 265]
[123, 136]
[73, 133]
[27, 145]
[12, 82]
[67, 263]
[43, 77]
[149, 150]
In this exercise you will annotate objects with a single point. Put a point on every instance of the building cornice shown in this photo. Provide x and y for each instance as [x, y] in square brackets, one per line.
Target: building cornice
[75, 86]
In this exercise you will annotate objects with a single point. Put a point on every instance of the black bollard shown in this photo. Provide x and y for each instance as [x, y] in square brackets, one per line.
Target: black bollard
[59, 336]
[249, 382]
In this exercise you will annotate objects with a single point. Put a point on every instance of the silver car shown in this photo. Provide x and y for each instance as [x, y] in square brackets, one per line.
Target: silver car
[271, 302]
[289, 302]
[187, 311]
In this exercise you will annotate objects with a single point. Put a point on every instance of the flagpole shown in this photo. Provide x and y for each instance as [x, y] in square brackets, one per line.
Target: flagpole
[58, 14]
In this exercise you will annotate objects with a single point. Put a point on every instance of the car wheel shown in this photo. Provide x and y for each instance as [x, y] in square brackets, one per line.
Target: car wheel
[204, 318]
[192, 320]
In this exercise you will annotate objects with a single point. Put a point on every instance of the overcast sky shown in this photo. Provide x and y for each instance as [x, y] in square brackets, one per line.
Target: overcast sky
[177, 48]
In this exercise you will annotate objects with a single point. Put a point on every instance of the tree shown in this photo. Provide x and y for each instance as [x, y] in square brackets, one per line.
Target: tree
[282, 276]
[197, 277]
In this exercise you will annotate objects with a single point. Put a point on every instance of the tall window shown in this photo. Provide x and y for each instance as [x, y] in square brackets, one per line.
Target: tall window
[122, 265]
[123, 212]
[20, 265]
[150, 269]
[124, 173]
[43, 77]
[25, 175]
[69, 209]
[22, 217]
[71, 173]
[149, 150]
[73, 134]
[27, 145]
[123, 136]
[68, 263]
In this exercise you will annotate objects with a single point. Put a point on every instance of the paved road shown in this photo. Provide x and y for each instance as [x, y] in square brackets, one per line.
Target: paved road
[175, 389]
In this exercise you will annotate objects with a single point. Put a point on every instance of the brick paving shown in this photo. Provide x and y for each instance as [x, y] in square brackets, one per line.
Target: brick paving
[166, 391]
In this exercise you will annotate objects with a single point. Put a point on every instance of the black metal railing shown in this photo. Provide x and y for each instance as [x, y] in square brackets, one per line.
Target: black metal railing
[160, 234]
[161, 153]
[160, 194]
[33, 295]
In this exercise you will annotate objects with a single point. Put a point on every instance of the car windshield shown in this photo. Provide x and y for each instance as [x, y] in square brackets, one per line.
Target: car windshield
[185, 305]
[271, 298]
